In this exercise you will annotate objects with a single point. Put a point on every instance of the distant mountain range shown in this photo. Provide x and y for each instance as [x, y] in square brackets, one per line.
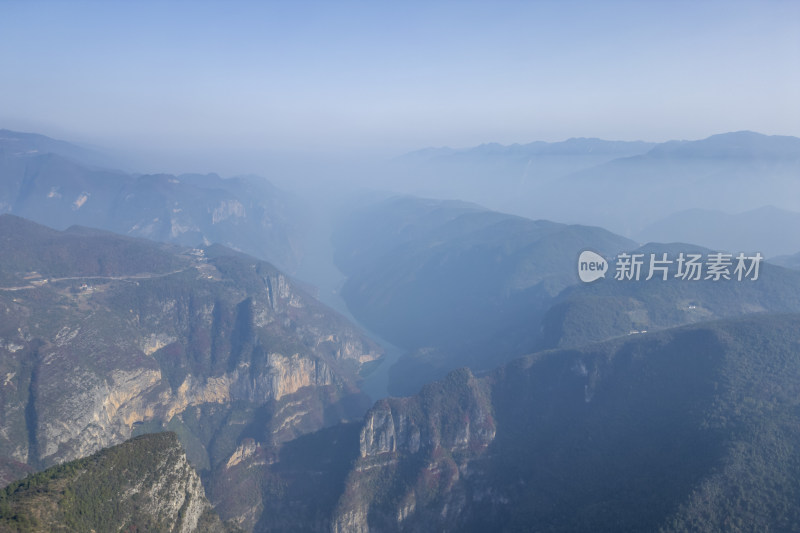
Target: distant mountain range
[644, 191]
[621, 186]
[58, 184]
[571, 147]
[501, 177]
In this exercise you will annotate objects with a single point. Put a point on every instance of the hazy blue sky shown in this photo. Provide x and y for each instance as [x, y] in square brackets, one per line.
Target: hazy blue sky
[394, 76]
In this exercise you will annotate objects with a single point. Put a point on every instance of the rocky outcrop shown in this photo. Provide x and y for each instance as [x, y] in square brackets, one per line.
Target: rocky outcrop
[143, 484]
[246, 449]
[428, 441]
[176, 494]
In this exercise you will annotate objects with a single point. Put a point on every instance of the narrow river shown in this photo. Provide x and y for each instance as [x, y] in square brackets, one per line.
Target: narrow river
[318, 270]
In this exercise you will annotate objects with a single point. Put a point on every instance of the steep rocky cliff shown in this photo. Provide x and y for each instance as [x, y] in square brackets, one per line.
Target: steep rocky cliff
[103, 337]
[144, 484]
[414, 457]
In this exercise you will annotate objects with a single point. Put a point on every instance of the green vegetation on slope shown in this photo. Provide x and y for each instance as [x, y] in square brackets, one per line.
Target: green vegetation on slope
[128, 487]
[687, 429]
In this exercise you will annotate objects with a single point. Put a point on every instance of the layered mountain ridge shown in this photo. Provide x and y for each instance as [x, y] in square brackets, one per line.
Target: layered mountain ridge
[621, 186]
[57, 184]
[457, 285]
[644, 406]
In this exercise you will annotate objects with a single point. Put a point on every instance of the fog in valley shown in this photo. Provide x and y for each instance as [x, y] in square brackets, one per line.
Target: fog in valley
[445, 266]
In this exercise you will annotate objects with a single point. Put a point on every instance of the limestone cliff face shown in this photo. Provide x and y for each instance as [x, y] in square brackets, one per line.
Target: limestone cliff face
[429, 441]
[177, 494]
[144, 484]
[386, 428]
[285, 375]
[282, 376]
[246, 449]
[86, 359]
[395, 425]
[94, 414]
[81, 409]
[227, 209]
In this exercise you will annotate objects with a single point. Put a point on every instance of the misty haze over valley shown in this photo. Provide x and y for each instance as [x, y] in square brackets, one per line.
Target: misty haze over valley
[344, 267]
